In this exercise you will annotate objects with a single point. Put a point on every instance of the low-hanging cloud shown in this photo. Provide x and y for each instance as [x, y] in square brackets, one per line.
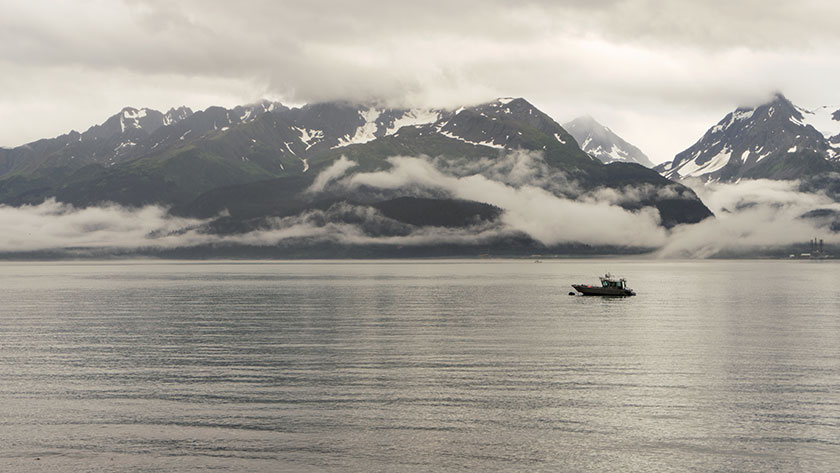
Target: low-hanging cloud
[750, 214]
[57, 226]
[52, 225]
[513, 168]
[360, 225]
[533, 210]
[334, 171]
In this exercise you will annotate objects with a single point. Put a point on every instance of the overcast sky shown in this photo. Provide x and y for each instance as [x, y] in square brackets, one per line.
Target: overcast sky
[659, 73]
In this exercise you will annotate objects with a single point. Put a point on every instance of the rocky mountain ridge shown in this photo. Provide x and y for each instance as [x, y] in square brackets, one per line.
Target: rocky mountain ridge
[775, 140]
[250, 167]
[604, 144]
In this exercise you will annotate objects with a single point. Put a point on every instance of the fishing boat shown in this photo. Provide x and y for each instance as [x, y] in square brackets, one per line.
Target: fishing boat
[610, 286]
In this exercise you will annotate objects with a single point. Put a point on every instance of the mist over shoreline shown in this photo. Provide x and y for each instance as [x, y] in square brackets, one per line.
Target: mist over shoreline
[537, 203]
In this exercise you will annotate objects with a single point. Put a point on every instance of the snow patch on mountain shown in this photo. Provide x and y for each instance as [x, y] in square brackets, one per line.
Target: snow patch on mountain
[310, 137]
[488, 142]
[175, 115]
[693, 169]
[414, 117]
[823, 119]
[134, 113]
[123, 146]
[364, 133]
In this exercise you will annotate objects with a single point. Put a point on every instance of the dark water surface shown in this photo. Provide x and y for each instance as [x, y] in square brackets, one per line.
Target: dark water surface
[441, 365]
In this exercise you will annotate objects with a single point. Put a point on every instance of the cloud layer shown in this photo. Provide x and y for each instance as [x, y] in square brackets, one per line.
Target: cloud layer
[53, 225]
[636, 65]
[528, 208]
[750, 215]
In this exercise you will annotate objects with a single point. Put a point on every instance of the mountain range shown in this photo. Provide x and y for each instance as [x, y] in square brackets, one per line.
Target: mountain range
[775, 140]
[243, 168]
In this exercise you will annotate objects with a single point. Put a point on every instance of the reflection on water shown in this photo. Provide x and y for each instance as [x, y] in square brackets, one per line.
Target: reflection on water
[487, 365]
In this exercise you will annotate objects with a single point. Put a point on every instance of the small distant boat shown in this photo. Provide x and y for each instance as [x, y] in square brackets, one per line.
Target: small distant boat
[610, 286]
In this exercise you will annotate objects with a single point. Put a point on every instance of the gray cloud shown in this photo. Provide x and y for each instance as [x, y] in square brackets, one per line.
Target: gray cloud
[56, 226]
[751, 214]
[535, 211]
[358, 225]
[637, 65]
[513, 168]
[53, 225]
[334, 171]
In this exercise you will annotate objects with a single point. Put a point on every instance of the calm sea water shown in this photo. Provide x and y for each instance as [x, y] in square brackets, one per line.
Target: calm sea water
[436, 365]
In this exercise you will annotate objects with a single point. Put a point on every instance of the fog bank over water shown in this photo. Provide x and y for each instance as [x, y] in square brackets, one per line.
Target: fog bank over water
[536, 201]
[751, 215]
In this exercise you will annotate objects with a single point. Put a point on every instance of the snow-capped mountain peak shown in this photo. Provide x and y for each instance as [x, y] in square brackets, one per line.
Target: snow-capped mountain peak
[143, 118]
[751, 142]
[602, 143]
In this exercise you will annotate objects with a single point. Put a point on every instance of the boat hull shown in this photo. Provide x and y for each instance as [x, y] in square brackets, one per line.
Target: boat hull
[588, 290]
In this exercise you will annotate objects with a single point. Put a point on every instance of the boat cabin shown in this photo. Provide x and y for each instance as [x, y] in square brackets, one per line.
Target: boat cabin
[609, 281]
